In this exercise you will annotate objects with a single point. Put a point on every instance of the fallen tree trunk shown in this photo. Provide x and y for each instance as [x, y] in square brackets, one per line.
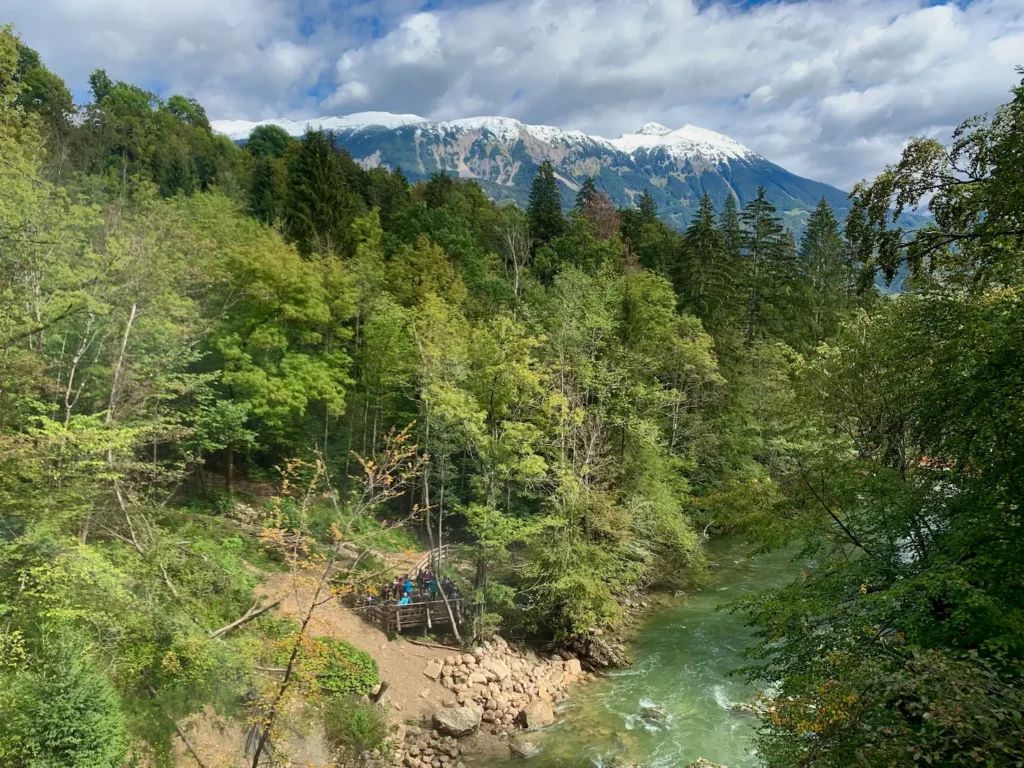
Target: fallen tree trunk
[251, 614]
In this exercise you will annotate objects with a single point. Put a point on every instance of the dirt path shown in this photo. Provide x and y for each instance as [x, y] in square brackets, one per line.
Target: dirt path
[411, 694]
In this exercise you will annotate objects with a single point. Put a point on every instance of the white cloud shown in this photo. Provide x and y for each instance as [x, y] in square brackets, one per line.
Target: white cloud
[239, 57]
[830, 89]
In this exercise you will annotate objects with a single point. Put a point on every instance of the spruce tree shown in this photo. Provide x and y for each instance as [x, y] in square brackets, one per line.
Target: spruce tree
[545, 209]
[705, 281]
[268, 189]
[648, 208]
[731, 228]
[768, 261]
[322, 203]
[588, 189]
[829, 273]
[439, 190]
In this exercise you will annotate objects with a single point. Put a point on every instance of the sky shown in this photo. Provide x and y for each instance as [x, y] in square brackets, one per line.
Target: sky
[829, 89]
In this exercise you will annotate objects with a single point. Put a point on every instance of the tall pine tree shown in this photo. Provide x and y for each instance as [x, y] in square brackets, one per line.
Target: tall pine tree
[648, 208]
[322, 200]
[769, 264]
[545, 209]
[588, 189]
[830, 277]
[706, 279]
[731, 227]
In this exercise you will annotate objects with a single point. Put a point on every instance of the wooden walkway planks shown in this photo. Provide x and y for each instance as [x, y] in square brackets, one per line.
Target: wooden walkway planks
[394, 618]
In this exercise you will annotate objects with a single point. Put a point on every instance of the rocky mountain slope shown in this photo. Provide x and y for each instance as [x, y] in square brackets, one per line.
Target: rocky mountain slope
[502, 154]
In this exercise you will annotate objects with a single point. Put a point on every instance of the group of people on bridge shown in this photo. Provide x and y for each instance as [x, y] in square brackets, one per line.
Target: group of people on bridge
[405, 591]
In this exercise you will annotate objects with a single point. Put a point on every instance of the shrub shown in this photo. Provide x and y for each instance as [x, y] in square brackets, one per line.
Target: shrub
[340, 668]
[58, 712]
[353, 726]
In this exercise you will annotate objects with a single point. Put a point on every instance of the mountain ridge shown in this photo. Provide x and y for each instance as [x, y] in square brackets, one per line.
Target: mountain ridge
[677, 165]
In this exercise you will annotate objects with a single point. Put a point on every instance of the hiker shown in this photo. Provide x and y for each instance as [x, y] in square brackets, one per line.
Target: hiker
[433, 588]
[405, 600]
[408, 585]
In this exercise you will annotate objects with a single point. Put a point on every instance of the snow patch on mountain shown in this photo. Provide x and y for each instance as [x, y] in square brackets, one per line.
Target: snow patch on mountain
[684, 143]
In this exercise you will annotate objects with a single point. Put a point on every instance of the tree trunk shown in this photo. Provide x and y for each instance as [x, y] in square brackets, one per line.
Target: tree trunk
[230, 472]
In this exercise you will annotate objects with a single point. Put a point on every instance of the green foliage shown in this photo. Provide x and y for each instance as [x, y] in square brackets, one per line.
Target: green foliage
[587, 191]
[57, 711]
[831, 279]
[545, 209]
[586, 395]
[902, 475]
[323, 195]
[353, 727]
[339, 668]
[706, 281]
[269, 141]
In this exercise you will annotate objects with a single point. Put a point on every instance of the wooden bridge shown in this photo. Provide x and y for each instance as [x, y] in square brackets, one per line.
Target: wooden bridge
[428, 614]
[433, 558]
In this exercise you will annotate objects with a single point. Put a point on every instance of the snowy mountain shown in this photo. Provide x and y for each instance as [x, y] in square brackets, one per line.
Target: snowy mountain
[502, 154]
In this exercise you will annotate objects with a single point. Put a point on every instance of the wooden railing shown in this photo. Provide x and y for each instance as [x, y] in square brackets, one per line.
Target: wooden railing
[395, 618]
[436, 555]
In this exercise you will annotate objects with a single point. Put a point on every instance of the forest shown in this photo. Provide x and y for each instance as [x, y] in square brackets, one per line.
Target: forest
[577, 401]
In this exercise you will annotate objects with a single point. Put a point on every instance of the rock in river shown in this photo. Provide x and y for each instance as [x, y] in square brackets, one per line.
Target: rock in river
[520, 747]
[537, 715]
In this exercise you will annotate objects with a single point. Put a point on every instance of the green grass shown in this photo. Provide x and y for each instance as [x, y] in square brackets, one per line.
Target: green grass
[353, 727]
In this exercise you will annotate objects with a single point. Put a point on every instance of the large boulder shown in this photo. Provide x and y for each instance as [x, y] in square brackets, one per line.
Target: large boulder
[595, 653]
[573, 667]
[521, 747]
[458, 721]
[500, 669]
[539, 714]
[433, 669]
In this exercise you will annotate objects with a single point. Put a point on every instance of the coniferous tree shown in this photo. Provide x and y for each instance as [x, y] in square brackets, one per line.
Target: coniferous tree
[829, 274]
[321, 203]
[601, 213]
[642, 243]
[705, 281]
[439, 190]
[545, 209]
[648, 208]
[268, 189]
[768, 258]
[588, 189]
[731, 228]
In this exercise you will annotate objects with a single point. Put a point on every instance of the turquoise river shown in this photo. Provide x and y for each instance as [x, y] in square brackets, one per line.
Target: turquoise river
[683, 656]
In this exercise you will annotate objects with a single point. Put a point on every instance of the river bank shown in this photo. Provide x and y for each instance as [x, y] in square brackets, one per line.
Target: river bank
[676, 703]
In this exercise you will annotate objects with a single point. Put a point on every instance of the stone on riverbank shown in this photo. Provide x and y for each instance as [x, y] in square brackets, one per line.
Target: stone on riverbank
[458, 721]
[537, 715]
